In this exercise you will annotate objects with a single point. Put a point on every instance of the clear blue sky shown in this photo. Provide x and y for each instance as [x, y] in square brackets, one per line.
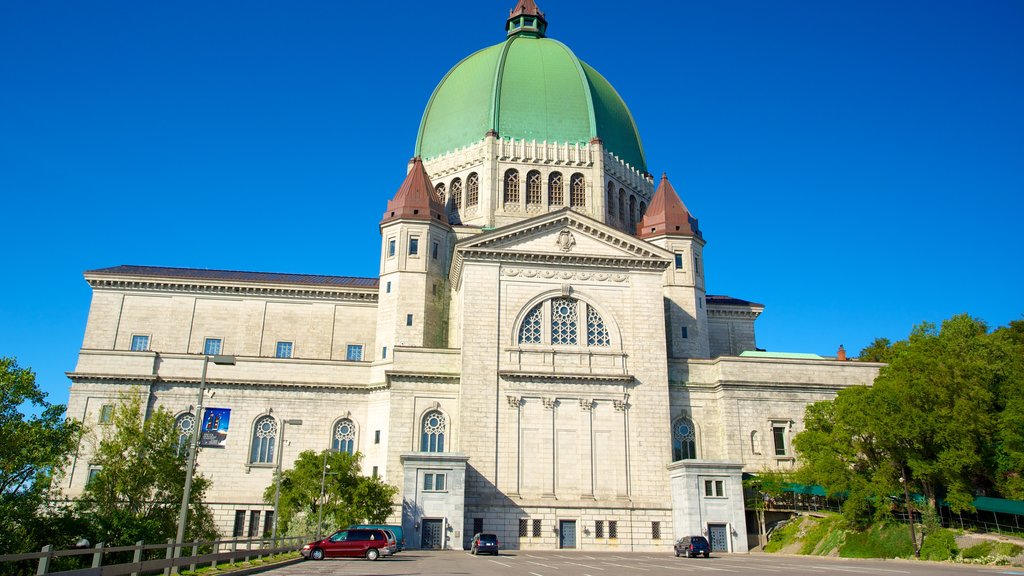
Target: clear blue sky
[857, 166]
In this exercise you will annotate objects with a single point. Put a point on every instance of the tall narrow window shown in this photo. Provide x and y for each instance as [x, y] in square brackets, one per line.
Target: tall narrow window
[239, 527]
[684, 440]
[597, 332]
[643, 210]
[456, 192]
[344, 439]
[441, 195]
[613, 528]
[511, 186]
[622, 205]
[140, 343]
[556, 196]
[632, 213]
[779, 437]
[577, 191]
[536, 529]
[679, 260]
[106, 414]
[264, 437]
[599, 529]
[610, 200]
[432, 432]
[564, 321]
[184, 426]
[284, 350]
[472, 190]
[533, 188]
[391, 247]
[254, 523]
[530, 331]
[212, 346]
[414, 246]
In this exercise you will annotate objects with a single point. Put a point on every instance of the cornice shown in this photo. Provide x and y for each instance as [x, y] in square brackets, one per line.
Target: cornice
[398, 375]
[134, 284]
[85, 377]
[518, 375]
[734, 312]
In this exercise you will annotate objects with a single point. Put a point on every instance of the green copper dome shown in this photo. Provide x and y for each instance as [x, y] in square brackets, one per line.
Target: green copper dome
[528, 87]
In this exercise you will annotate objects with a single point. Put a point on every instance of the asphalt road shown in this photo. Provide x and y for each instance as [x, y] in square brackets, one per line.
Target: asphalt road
[579, 563]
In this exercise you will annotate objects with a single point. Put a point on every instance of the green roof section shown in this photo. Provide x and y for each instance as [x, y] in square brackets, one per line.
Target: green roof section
[528, 87]
[789, 355]
[1000, 505]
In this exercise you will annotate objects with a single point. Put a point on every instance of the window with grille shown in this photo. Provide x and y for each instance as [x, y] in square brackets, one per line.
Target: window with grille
[344, 439]
[555, 195]
[432, 432]
[284, 350]
[456, 193]
[239, 527]
[106, 414]
[656, 530]
[512, 187]
[610, 199]
[264, 436]
[536, 528]
[478, 525]
[441, 195]
[533, 188]
[524, 527]
[140, 343]
[779, 437]
[566, 320]
[684, 440]
[254, 523]
[212, 346]
[354, 352]
[184, 425]
[268, 523]
[472, 190]
[599, 529]
[577, 191]
[613, 528]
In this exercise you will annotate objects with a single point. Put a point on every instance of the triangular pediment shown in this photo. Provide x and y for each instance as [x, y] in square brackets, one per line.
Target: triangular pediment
[563, 237]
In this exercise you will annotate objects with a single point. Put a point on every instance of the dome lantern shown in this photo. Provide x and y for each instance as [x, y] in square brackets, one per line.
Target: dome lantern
[526, 19]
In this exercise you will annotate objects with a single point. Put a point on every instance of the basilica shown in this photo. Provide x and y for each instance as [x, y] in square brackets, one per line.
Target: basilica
[538, 357]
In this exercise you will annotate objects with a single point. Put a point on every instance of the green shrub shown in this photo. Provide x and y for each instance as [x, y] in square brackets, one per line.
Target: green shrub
[881, 541]
[781, 537]
[1008, 549]
[979, 550]
[939, 545]
[816, 531]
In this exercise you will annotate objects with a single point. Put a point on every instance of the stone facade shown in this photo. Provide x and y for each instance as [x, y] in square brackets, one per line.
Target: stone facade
[567, 375]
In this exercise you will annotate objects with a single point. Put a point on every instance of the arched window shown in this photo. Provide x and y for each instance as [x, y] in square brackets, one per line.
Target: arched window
[511, 186]
[344, 439]
[643, 210]
[555, 195]
[264, 437]
[622, 205]
[184, 425]
[566, 319]
[533, 188]
[577, 191]
[441, 193]
[432, 432]
[684, 440]
[632, 213]
[610, 200]
[456, 193]
[472, 190]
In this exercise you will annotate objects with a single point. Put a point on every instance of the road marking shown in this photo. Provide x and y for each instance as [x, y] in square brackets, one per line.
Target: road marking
[539, 564]
[584, 565]
[683, 568]
[624, 566]
[502, 563]
[535, 574]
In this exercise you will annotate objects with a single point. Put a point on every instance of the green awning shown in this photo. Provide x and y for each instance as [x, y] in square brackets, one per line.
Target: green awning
[999, 505]
[812, 489]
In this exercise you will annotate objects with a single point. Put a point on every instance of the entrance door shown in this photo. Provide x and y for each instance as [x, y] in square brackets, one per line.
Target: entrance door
[567, 534]
[718, 534]
[433, 531]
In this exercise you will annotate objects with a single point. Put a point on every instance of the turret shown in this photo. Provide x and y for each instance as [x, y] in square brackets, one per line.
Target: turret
[414, 257]
[670, 225]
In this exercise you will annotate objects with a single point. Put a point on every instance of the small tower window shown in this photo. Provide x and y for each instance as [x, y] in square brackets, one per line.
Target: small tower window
[472, 190]
[533, 188]
[555, 195]
[414, 246]
[577, 191]
[610, 200]
[441, 193]
[511, 186]
[408, 319]
[391, 247]
[456, 192]
[622, 205]
[679, 260]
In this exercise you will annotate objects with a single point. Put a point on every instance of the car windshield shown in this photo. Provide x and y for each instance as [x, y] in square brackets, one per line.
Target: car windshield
[488, 538]
[698, 540]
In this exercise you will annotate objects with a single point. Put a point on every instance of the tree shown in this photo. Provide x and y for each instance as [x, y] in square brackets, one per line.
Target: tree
[945, 418]
[349, 497]
[33, 449]
[136, 495]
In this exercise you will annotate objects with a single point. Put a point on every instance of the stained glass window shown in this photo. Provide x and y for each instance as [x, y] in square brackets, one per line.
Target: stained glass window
[597, 332]
[344, 436]
[184, 426]
[433, 431]
[564, 321]
[264, 436]
[684, 440]
[530, 331]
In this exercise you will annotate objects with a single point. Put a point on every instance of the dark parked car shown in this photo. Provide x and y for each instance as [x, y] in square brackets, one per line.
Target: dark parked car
[484, 542]
[691, 546]
[369, 544]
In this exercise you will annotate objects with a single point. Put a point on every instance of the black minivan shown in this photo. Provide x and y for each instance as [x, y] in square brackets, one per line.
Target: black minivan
[691, 546]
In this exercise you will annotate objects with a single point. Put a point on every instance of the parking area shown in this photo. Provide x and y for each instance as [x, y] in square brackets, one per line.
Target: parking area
[579, 563]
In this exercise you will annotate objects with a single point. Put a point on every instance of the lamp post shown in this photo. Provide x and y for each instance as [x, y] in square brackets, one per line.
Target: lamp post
[277, 489]
[193, 448]
[320, 509]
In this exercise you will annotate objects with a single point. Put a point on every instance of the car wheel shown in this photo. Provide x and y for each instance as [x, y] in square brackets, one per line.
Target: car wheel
[707, 554]
[372, 554]
[677, 554]
[472, 551]
[317, 554]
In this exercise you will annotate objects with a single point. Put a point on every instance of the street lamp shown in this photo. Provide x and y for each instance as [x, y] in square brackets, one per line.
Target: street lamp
[320, 509]
[277, 489]
[190, 466]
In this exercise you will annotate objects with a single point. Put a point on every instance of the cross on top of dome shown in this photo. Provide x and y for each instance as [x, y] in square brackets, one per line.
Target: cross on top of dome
[526, 18]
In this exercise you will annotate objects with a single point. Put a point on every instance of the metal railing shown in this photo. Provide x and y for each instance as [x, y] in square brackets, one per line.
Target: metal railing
[146, 558]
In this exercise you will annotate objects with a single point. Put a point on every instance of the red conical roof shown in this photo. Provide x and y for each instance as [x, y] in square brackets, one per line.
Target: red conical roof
[667, 215]
[416, 198]
[525, 7]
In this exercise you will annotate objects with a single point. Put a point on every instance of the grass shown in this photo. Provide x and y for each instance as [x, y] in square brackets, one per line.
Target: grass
[880, 541]
[226, 568]
[990, 549]
[782, 537]
[939, 546]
